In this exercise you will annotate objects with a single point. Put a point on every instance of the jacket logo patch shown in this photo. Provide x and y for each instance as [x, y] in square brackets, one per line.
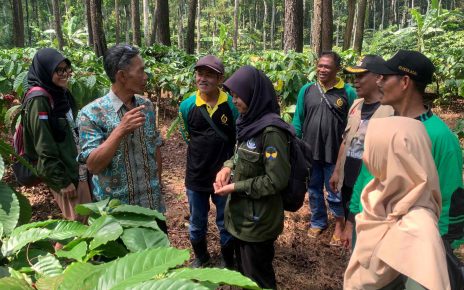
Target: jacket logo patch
[43, 116]
[251, 144]
[270, 153]
[224, 119]
[339, 102]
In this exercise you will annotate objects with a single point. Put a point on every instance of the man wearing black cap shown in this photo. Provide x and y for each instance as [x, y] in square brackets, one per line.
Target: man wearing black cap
[208, 127]
[403, 82]
[349, 160]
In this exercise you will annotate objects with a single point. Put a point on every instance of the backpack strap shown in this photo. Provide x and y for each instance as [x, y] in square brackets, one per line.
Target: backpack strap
[36, 92]
[205, 115]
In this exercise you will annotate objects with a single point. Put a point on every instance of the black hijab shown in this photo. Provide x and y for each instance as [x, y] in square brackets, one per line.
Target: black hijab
[40, 74]
[256, 90]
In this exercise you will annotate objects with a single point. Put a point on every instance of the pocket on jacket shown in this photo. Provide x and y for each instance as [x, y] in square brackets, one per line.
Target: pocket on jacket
[248, 162]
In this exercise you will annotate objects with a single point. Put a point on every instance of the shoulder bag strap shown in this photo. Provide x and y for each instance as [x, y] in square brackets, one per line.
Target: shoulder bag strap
[328, 103]
[205, 115]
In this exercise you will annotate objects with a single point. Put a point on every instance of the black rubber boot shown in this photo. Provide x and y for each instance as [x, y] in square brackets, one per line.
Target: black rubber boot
[201, 254]
[227, 253]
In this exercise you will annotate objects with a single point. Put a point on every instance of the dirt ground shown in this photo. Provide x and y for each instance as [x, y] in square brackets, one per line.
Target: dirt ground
[300, 262]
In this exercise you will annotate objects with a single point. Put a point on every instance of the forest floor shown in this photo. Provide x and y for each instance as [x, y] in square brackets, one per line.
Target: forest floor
[300, 262]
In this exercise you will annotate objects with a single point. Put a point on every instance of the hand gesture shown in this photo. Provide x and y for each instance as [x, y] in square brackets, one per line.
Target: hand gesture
[333, 182]
[223, 176]
[132, 120]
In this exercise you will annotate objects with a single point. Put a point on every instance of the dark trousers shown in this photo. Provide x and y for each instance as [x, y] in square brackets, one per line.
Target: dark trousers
[254, 260]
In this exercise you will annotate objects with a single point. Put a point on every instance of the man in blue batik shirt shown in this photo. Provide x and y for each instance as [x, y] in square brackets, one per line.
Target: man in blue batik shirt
[118, 137]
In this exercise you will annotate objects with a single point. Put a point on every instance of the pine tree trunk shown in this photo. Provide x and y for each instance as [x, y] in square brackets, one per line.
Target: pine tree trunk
[393, 13]
[349, 24]
[146, 23]
[97, 27]
[327, 25]
[57, 18]
[264, 24]
[18, 23]
[383, 15]
[293, 29]
[235, 40]
[118, 21]
[180, 25]
[154, 26]
[89, 22]
[199, 26]
[316, 39]
[135, 20]
[273, 14]
[358, 39]
[164, 33]
[128, 22]
[190, 38]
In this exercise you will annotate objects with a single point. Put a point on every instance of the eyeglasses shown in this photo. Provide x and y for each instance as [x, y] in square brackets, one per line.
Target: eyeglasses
[60, 71]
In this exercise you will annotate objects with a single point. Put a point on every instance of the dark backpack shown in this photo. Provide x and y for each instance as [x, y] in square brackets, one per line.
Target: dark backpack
[300, 166]
[294, 194]
[23, 174]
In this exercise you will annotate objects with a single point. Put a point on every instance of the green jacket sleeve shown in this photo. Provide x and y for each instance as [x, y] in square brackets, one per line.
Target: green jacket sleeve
[276, 167]
[183, 117]
[351, 94]
[298, 117]
[49, 165]
[363, 179]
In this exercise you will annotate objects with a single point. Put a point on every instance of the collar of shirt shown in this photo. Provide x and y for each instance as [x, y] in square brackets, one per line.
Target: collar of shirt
[116, 101]
[339, 85]
[200, 102]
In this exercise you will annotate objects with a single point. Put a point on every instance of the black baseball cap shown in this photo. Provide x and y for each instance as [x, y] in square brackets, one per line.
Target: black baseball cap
[211, 62]
[361, 67]
[406, 62]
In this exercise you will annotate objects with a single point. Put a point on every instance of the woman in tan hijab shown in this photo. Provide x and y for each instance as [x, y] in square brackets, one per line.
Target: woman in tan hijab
[398, 245]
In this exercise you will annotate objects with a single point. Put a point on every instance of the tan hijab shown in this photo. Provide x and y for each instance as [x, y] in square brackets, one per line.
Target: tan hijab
[397, 231]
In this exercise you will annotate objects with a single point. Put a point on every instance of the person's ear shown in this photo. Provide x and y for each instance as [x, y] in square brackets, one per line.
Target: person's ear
[120, 76]
[405, 82]
[221, 78]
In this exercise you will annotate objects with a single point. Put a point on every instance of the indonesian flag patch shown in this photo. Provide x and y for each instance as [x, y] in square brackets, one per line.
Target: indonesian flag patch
[43, 116]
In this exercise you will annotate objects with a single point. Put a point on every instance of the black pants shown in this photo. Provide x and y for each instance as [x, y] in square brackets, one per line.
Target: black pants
[254, 260]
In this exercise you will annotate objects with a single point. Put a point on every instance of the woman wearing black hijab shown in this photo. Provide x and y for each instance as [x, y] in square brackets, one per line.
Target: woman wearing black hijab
[50, 136]
[254, 212]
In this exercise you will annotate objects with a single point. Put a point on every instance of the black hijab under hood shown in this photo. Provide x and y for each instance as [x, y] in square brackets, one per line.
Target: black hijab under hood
[40, 74]
[254, 88]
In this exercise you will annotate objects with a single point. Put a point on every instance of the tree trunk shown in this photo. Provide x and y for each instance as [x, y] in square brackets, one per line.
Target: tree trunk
[18, 23]
[393, 13]
[146, 22]
[293, 29]
[99, 42]
[162, 18]
[57, 18]
[235, 40]
[180, 25]
[89, 22]
[349, 24]
[198, 26]
[316, 39]
[128, 22]
[154, 26]
[383, 15]
[273, 14]
[404, 18]
[327, 25]
[135, 20]
[118, 22]
[358, 39]
[264, 24]
[190, 39]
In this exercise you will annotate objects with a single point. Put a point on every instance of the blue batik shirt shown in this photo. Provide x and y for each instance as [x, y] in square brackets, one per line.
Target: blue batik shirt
[132, 174]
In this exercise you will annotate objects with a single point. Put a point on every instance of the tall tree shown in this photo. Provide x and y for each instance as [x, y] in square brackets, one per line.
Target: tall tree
[57, 18]
[135, 20]
[273, 14]
[180, 25]
[154, 26]
[118, 21]
[349, 24]
[358, 38]
[327, 25]
[264, 24]
[146, 23]
[198, 26]
[316, 27]
[99, 41]
[293, 28]
[89, 22]
[18, 23]
[190, 38]
[127, 15]
[235, 40]
[162, 18]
